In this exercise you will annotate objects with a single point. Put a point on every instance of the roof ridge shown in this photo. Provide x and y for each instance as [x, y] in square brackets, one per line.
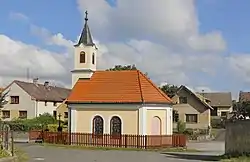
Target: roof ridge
[148, 80]
[139, 82]
[195, 94]
[41, 84]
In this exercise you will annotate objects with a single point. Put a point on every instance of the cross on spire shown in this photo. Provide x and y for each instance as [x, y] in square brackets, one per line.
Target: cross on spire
[85, 38]
[86, 15]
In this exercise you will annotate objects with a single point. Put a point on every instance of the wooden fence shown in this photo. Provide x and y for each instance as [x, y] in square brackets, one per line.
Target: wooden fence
[106, 140]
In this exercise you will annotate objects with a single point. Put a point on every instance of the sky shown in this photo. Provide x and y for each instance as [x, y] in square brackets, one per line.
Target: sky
[204, 44]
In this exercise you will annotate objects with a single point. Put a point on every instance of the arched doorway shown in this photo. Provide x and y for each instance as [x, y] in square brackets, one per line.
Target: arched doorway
[156, 126]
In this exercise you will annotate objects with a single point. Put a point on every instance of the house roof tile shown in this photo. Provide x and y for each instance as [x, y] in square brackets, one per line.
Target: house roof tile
[128, 86]
[219, 98]
[43, 93]
[244, 96]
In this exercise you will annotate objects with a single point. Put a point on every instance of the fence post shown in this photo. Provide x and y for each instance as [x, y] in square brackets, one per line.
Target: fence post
[12, 143]
[146, 141]
[126, 142]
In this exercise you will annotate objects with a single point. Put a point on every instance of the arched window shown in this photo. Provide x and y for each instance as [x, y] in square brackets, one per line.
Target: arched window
[93, 58]
[115, 126]
[82, 57]
[98, 125]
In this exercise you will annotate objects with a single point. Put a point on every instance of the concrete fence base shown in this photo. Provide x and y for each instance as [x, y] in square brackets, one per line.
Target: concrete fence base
[237, 138]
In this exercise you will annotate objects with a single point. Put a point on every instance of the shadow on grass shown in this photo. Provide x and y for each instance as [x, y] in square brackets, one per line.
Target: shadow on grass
[193, 156]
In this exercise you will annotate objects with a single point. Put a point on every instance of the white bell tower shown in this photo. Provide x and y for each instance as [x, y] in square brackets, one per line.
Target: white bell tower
[84, 55]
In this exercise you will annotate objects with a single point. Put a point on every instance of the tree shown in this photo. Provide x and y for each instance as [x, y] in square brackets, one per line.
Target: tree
[241, 110]
[120, 67]
[169, 89]
[124, 67]
[3, 98]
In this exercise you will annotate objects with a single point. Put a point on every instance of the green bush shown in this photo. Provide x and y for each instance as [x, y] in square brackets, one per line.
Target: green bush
[37, 123]
[217, 122]
[53, 127]
[181, 127]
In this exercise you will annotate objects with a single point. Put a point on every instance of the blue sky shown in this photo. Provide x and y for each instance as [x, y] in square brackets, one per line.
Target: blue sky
[229, 17]
[64, 17]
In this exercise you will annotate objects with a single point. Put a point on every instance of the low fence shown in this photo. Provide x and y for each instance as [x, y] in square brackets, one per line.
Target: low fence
[106, 140]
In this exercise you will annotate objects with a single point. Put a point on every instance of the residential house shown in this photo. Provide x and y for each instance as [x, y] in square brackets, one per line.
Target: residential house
[221, 103]
[62, 111]
[29, 100]
[244, 96]
[119, 102]
[191, 108]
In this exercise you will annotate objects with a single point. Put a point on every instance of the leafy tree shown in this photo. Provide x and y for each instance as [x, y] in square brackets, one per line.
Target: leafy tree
[125, 67]
[45, 119]
[3, 98]
[120, 67]
[241, 109]
[181, 127]
[169, 89]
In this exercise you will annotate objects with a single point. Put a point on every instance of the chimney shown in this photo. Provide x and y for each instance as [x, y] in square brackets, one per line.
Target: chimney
[35, 81]
[46, 84]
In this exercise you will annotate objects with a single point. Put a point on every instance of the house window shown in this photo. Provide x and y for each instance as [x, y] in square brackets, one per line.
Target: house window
[14, 99]
[183, 100]
[55, 114]
[82, 57]
[23, 114]
[224, 114]
[65, 115]
[6, 114]
[214, 112]
[115, 126]
[54, 103]
[45, 103]
[93, 58]
[175, 116]
[98, 125]
[191, 118]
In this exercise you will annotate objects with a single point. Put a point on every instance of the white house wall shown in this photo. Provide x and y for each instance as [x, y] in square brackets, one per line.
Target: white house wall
[25, 102]
[50, 108]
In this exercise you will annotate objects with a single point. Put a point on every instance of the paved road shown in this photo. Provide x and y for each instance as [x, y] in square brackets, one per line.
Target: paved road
[55, 154]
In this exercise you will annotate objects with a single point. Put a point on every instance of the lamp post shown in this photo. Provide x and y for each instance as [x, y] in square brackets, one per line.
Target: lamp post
[59, 129]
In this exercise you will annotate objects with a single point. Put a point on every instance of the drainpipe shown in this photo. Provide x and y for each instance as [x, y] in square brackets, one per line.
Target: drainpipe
[36, 107]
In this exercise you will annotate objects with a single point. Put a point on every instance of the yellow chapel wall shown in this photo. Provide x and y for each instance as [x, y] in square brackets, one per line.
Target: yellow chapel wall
[129, 120]
[156, 113]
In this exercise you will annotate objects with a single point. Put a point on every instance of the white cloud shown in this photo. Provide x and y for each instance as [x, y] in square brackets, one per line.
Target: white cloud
[18, 16]
[161, 38]
[17, 57]
[57, 39]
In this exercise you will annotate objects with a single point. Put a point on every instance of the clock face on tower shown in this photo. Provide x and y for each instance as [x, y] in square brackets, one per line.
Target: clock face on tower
[82, 57]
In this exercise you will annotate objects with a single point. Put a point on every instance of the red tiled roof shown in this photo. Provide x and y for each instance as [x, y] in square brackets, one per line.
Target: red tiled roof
[128, 86]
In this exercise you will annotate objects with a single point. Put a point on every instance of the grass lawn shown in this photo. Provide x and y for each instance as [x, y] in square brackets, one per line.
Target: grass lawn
[240, 159]
[21, 155]
[3, 154]
[117, 148]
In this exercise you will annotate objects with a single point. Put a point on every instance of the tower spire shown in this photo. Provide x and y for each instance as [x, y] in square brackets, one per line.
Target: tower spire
[85, 38]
